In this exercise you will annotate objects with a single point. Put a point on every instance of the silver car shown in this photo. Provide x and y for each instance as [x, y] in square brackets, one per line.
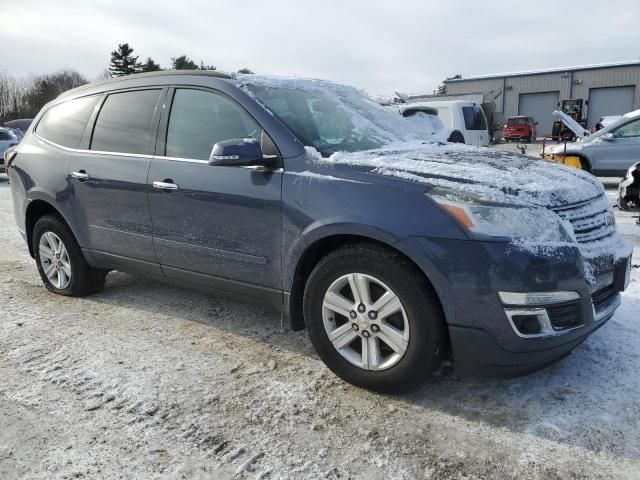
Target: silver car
[607, 152]
[8, 138]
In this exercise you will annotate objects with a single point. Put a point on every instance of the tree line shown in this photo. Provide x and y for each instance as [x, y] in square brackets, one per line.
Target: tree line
[22, 97]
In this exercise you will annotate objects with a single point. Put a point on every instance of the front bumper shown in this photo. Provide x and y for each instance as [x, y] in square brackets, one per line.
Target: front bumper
[468, 276]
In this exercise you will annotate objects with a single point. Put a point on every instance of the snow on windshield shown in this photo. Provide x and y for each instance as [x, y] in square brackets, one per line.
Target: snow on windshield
[331, 117]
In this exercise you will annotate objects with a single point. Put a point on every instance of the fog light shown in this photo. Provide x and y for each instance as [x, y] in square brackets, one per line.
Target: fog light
[527, 324]
[530, 322]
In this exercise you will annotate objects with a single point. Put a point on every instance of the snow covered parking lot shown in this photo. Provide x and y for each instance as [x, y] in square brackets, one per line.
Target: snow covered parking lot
[146, 380]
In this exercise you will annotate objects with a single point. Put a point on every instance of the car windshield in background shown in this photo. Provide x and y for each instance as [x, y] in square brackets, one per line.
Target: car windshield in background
[332, 117]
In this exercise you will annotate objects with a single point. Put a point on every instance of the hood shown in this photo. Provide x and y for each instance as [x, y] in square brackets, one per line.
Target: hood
[491, 174]
[571, 124]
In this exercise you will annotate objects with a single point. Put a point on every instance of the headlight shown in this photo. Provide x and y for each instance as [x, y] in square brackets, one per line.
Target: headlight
[500, 221]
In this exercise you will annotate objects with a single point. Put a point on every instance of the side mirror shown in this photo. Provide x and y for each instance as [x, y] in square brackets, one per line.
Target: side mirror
[535, 123]
[239, 152]
[607, 137]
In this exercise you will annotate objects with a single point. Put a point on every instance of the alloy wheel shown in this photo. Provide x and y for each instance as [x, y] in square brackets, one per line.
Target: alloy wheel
[365, 321]
[54, 260]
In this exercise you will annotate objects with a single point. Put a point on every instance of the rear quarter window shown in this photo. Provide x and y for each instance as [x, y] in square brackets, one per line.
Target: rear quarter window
[64, 124]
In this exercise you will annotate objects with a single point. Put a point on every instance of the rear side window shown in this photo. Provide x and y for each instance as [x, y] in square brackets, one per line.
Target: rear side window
[65, 123]
[124, 123]
[199, 119]
[628, 130]
[474, 118]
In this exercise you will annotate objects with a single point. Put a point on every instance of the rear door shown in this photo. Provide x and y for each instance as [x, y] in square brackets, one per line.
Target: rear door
[108, 179]
[616, 155]
[217, 224]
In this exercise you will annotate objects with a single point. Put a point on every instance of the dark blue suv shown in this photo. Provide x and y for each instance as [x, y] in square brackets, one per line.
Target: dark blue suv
[393, 250]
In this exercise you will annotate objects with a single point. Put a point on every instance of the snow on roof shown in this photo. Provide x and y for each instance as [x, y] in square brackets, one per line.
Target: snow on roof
[548, 70]
[635, 113]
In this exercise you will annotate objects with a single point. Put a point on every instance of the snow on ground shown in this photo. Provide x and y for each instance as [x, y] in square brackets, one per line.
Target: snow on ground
[146, 380]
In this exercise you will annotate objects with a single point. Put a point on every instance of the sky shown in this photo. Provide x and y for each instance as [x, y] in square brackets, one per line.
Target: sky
[382, 47]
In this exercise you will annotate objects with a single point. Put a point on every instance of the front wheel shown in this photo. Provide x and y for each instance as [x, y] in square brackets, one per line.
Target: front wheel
[373, 319]
[60, 261]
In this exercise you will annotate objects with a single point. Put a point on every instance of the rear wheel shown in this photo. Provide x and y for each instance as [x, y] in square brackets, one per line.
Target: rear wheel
[60, 261]
[373, 319]
[456, 137]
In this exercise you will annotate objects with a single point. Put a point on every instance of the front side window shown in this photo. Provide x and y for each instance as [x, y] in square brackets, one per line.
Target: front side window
[628, 130]
[199, 119]
[65, 123]
[124, 122]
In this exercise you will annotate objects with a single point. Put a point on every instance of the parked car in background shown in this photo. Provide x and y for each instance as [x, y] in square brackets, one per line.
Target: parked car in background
[465, 119]
[521, 128]
[392, 252]
[21, 124]
[8, 138]
[432, 124]
[607, 152]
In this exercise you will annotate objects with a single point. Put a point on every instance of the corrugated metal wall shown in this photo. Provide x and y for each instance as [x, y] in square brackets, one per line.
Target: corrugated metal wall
[570, 85]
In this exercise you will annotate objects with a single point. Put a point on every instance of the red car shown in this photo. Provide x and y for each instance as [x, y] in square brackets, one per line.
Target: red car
[520, 128]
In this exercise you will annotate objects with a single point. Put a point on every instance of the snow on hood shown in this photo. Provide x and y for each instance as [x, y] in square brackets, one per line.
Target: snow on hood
[495, 175]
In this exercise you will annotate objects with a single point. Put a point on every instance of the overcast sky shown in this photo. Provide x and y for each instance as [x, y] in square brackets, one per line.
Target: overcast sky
[381, 46]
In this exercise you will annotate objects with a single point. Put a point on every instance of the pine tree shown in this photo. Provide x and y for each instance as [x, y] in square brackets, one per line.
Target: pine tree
[150, 66]
[123, 62]
[245, 70]
[183, 63]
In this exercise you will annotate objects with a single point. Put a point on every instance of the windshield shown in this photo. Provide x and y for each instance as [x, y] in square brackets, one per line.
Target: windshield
[331, 117]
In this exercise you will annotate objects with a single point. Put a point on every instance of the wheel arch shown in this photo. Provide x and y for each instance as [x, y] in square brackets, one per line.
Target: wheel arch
[319, 249]
[37, 209]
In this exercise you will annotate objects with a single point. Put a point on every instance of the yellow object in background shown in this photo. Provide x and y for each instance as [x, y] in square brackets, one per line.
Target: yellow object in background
[568, 160]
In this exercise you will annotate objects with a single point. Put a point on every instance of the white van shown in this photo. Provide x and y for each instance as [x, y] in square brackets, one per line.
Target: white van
[464, 118]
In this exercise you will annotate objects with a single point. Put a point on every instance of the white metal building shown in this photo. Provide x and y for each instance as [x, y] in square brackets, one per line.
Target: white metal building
[606, 89]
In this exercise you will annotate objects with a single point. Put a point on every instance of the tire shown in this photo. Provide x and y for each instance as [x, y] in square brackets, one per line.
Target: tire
[456, 137]
[529, 139]
[73, 276]
[418, 323]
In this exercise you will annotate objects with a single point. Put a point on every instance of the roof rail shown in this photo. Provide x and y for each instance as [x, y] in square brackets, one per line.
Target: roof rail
[160, 73]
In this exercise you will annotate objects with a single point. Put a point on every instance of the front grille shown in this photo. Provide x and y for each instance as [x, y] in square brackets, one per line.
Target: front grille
[564, 316]
[592, 221]
[603, 296]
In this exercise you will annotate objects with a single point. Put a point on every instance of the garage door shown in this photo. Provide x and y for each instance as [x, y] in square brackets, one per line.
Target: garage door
[609, 101]
[540, 106]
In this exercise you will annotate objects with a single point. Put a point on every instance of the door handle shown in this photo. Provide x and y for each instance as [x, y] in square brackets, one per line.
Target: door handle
[165, 186]
[81, 175]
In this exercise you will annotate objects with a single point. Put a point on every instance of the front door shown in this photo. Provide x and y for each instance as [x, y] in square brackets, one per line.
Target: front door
[213, 224]
[617, 154]
[109, 180]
